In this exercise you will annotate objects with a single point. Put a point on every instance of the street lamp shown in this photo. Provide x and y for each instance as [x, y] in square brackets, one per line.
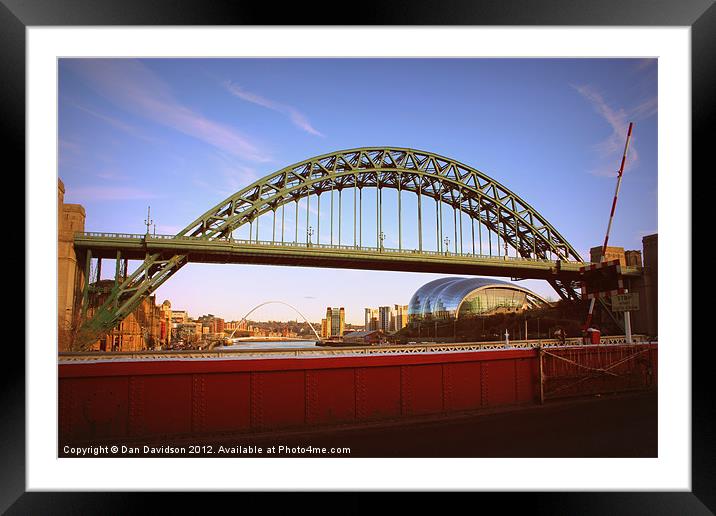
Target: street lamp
[309, 233]
[148, 221]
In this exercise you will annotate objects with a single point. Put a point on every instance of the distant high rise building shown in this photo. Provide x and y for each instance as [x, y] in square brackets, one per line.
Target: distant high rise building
[386, 318]
[371, 319]
[385, 314]
[335, 321]
[400, 318]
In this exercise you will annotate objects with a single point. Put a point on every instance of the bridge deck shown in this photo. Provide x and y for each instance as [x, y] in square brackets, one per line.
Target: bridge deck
[201, 250]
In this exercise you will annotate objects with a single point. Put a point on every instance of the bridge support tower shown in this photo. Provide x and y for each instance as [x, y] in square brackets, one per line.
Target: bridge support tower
[70, 273]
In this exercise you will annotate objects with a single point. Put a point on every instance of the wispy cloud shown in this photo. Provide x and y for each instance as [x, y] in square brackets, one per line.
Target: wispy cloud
[112, 175]
[86, 194]
[114, 122]
[68, 146]
[134, 87]
[198, 181]
[645, 109]
[68, 152]
[296, 117]
[611, 148]
[227, 175]
[235, 175]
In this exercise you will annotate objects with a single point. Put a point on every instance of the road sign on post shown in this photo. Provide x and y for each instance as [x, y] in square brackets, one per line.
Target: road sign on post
[625, 302]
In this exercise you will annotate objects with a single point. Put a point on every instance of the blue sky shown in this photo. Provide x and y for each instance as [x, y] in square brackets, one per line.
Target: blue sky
[183, 134]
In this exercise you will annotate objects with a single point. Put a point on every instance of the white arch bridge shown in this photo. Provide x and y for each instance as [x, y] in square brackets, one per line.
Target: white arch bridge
[282, 303]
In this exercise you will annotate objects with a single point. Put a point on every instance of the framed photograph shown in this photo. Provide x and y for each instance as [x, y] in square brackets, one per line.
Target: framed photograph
[289, 265]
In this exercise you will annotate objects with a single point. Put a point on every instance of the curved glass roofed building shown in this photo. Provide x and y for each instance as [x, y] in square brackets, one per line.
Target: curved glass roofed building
[462, 297]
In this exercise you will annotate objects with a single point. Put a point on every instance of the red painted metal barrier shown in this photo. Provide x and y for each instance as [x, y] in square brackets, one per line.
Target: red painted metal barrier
[585, 370]
[135, 399]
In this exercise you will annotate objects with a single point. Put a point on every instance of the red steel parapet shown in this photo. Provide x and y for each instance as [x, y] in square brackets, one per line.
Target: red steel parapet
[116, 400]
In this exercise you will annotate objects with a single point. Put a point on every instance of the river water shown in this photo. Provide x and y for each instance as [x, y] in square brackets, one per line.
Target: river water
[271, 344]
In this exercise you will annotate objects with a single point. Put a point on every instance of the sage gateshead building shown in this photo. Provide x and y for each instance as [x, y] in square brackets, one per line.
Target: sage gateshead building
[458, 297]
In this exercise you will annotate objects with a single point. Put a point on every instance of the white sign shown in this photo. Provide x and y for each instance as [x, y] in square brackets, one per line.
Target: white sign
[625, 302]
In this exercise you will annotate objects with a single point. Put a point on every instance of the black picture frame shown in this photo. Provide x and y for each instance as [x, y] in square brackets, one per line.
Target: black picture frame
[699, 15]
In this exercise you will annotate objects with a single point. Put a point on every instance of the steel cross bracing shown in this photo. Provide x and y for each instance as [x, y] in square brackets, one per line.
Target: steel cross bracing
[465, 190]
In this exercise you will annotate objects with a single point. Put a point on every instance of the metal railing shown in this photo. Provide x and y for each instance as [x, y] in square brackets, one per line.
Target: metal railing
[317, 352]
[123, 236]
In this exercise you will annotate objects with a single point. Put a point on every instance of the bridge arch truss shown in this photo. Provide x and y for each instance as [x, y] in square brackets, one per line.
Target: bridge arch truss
[450, 183]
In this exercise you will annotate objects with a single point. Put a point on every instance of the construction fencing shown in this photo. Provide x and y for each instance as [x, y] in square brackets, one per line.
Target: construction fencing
[585, 370]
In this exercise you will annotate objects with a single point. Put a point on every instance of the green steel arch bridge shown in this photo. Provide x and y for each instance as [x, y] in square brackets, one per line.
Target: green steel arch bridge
[494, 231]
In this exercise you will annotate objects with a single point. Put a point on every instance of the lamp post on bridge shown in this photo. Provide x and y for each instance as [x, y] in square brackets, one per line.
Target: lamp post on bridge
[148, 221]
[309, 233]
[382, 237]
[447, 245]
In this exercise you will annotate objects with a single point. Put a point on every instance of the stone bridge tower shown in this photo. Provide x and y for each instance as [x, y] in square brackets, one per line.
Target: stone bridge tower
[70, 218]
